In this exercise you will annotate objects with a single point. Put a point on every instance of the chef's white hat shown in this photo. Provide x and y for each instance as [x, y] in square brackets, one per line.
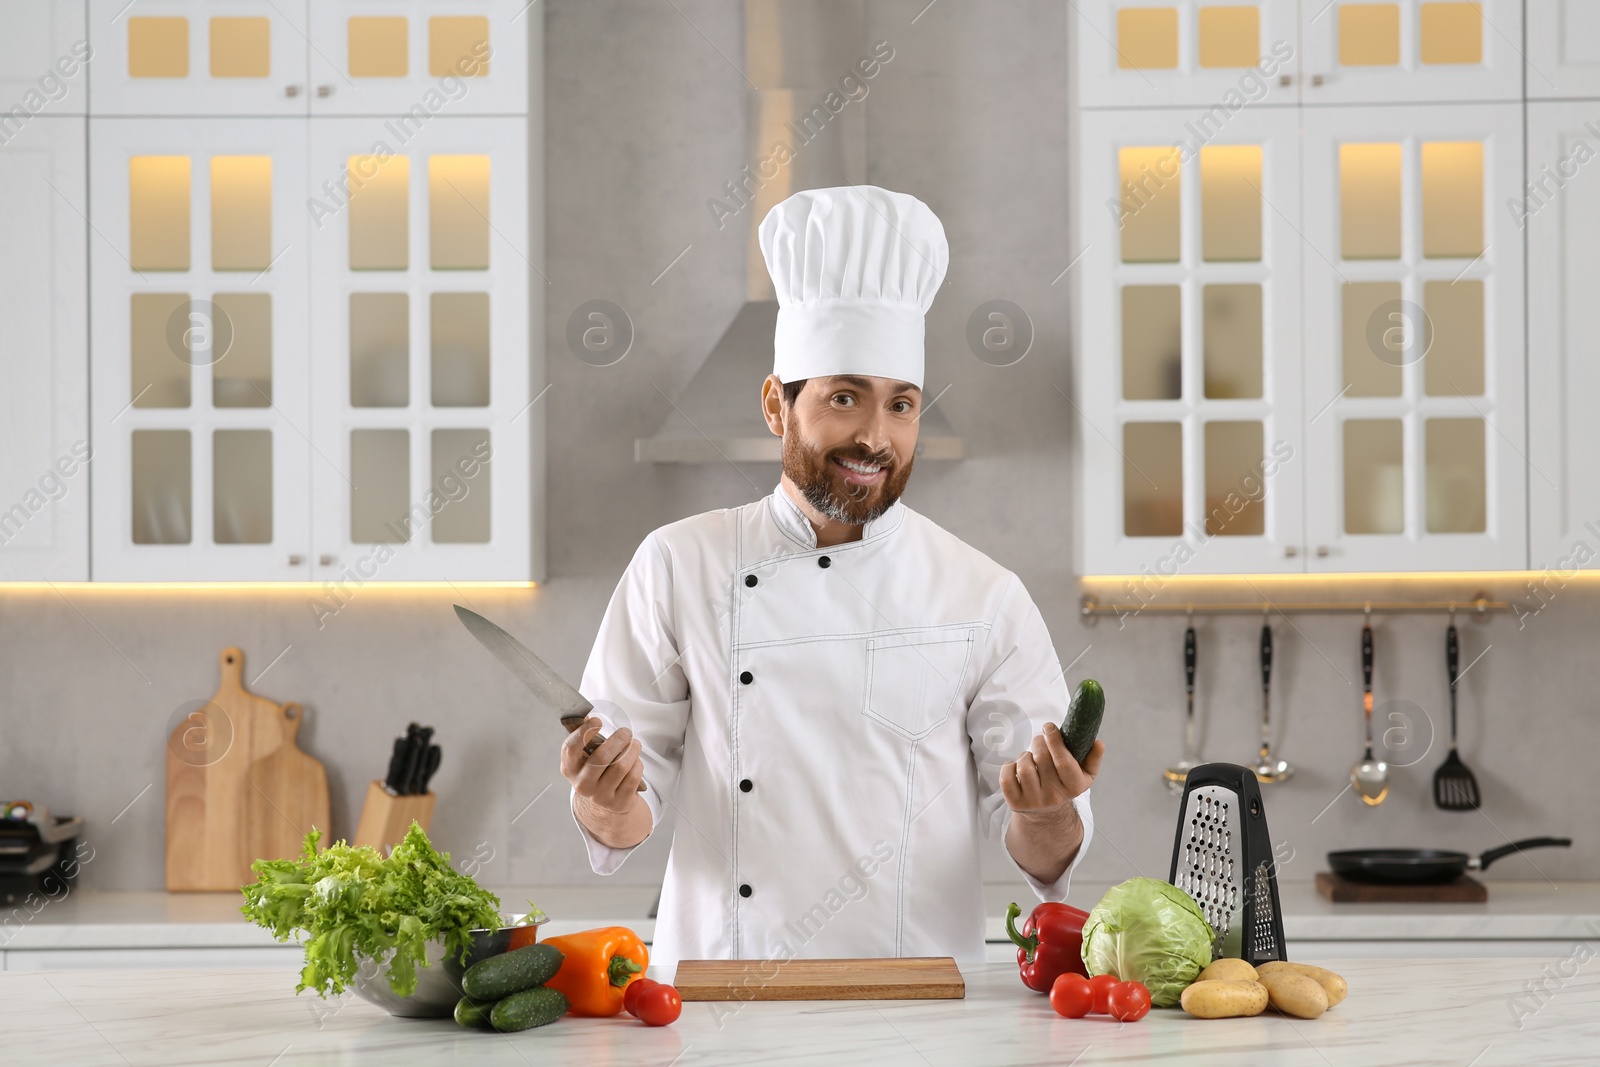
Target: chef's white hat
[855, 269]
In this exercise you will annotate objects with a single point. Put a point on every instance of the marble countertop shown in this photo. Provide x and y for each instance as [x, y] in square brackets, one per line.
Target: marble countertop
[103, 919]
[1413, 1012]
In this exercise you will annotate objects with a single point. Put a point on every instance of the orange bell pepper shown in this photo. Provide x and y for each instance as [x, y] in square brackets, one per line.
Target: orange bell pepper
[599, 965]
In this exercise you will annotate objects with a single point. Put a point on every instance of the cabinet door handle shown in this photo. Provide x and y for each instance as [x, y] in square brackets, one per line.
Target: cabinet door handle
[327, 561]
[1322, 551]
[1285, 79]
[1291, 551]
[295, 559]
[324, 90]
[1316, 79]
[291, 91]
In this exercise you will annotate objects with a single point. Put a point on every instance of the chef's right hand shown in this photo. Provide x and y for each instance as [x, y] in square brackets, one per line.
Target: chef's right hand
[608, 778]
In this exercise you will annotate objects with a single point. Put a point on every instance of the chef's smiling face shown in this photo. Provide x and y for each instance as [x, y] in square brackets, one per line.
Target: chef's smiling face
[848, 441]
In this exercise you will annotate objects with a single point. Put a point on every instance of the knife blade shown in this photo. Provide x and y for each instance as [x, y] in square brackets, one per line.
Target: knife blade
[551, 689]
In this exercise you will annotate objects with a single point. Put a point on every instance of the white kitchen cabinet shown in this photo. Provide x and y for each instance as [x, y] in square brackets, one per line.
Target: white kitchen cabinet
[1221, 57]
[419, 353]
[1563, 49]
[44, 418]
[1414, 339]
[413, 60]
[198, 57]
[43, 68]
[199, 374]
[1411, 51]
[1563, 221]
[1216, 59]
[1189, 371]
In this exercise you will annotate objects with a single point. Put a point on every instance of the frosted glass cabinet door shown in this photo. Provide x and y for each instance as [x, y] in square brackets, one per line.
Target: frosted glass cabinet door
[1188, 374]
[1563, 49]
[44, 417]
[413, 60]
[420, 354]
[1187, 53]
[1563, 322]
[201, 419]
[198, 57]
[1412, 51]
[1413, 347]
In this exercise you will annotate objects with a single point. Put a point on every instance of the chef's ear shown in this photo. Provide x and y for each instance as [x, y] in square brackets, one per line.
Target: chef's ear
[772, 404]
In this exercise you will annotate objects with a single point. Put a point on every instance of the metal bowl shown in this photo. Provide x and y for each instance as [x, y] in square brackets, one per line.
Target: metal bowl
[439, 983]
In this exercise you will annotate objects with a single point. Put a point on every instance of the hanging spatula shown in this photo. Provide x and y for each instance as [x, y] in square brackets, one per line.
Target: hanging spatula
[1454, 787]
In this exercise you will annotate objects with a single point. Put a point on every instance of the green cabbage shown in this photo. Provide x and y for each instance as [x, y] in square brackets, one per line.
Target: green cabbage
[1150, 931]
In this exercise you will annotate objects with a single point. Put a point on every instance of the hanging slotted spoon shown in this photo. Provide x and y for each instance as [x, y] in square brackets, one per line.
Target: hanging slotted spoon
[1454, 787]
[1370, 777]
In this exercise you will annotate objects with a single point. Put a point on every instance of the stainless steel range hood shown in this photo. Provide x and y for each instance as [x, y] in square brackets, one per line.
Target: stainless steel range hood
[796, 52]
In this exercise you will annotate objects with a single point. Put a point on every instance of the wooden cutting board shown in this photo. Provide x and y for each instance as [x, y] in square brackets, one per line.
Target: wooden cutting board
[906, 978]
[228, 764]
[1341, 890]
[288, 790]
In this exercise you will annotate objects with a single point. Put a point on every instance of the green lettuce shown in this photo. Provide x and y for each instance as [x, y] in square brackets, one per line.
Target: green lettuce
[1150, 931]
[351, 903]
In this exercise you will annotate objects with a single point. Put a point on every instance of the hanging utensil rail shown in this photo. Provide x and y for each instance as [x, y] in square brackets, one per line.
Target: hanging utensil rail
[1480, 605]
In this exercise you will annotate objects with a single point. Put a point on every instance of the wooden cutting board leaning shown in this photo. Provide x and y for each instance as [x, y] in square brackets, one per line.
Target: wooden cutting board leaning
[906, 978]
[238, 786]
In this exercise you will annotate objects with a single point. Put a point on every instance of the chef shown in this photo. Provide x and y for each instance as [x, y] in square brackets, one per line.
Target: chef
[833, 696]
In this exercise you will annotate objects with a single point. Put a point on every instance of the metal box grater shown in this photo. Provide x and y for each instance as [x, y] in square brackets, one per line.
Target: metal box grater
[1222, 857]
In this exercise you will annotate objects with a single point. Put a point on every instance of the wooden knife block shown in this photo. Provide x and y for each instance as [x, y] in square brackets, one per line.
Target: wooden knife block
[385, 818]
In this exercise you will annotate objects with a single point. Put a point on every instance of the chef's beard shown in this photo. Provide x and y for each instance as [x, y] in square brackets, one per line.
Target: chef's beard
[818, 479]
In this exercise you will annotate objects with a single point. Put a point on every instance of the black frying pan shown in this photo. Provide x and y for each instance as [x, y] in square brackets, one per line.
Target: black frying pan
[1424, 866]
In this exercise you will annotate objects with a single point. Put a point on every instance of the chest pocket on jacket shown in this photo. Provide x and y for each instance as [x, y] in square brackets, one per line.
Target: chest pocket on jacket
[914, 680]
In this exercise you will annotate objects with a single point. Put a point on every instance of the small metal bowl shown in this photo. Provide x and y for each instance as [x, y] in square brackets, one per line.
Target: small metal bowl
[439, 983]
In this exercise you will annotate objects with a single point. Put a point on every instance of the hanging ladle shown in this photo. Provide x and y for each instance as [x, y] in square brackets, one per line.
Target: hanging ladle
[1269, 768]
[1370, 777]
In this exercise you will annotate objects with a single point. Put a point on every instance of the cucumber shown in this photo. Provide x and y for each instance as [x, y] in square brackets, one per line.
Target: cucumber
[531, 1007]
[511, 972]
[473, 1013]
[1083, 718]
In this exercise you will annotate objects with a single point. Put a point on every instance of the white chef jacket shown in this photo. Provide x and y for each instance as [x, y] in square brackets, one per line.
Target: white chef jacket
[828, 725]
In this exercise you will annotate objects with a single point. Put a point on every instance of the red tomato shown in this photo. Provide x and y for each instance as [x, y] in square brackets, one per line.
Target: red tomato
[1130, 1001]
[630, 995]
[1071, 996]
[658, 1005]
[1102, 984]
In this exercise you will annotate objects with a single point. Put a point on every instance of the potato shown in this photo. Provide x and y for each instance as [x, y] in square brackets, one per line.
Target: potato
[1223, 998]
[1332, 984]
[1228, 970]
[1295, 994]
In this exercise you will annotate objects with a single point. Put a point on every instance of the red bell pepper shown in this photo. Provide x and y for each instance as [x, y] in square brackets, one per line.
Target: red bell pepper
[1050, 944]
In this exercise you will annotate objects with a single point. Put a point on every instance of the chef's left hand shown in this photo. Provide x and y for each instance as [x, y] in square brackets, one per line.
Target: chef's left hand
[1046, 776]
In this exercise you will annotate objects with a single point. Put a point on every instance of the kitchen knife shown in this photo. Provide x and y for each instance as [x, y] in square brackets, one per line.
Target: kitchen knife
[430, 763]
[534, 673]
[414, 779]
[397, 763]
[412, 755]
